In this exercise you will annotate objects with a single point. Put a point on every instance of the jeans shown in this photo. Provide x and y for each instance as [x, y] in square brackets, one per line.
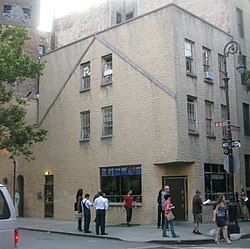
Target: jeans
[87, 217]
[171, 226]
[129, 214]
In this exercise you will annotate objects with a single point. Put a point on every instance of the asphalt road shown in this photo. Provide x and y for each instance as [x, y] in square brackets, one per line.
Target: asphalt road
[41, 240]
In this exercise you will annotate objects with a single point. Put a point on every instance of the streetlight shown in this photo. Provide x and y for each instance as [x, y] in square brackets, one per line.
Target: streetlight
[231, 47]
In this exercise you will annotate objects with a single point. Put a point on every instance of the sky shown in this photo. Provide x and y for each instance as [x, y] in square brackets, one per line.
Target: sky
[61, 7]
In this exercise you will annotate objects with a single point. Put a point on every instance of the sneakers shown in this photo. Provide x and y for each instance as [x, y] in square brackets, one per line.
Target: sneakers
[198, 232]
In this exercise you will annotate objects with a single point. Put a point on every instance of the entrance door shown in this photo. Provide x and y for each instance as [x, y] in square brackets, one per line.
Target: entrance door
[178, 192]
[49, 197]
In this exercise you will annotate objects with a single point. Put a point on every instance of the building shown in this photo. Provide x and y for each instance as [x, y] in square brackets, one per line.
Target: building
[134, 106]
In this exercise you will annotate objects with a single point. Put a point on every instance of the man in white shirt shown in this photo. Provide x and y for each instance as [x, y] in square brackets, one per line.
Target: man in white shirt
[86, 204]
[101, 205]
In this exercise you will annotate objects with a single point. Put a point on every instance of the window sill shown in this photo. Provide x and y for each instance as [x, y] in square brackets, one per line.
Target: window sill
[106, 84]
[84, 139]
[120, 204]
[191, 75]
[209, 81]
[84, 90]
[211, 137]
[194, 133]
[107, 136]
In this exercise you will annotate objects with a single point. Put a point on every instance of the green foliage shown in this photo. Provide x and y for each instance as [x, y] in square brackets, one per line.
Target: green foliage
[247, 79]
[16, 135]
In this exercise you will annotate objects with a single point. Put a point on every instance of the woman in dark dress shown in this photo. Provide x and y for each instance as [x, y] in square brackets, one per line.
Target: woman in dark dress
[79, 199]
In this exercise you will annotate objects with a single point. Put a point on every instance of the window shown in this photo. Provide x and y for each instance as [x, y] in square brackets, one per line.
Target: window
[239, 19]
[216, 180]
[221, 69]
[107, 128]
[209, 119]
[247, 170]
[85, 71]
[224, 118]
[206, 53]
[189, 57]
[85, 125]
[243, 80]
[246, 119]
[4, 209]
[129, 15]
[41, 49]
[118, 17]
[116, 181]
[107, 71]
[191, 113]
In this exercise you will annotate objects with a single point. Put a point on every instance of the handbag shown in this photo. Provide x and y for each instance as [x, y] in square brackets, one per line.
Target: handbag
[78, 215]
[170, 216]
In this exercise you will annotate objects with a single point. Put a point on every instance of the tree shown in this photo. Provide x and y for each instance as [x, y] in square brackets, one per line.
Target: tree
[247, 79]
[16, 135]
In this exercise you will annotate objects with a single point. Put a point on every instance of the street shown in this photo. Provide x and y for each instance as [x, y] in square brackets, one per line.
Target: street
[41, 240]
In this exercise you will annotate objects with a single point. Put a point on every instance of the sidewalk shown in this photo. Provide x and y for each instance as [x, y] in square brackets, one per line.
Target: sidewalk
[137, 233]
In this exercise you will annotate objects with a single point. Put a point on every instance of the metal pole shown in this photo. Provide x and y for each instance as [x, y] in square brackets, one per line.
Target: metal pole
[231, 47]
[14, 182]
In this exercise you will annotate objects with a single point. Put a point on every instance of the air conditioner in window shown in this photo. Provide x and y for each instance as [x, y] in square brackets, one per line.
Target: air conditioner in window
[208, 75]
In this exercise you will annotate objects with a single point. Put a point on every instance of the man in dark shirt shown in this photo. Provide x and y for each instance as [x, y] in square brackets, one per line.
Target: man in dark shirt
[197, 211]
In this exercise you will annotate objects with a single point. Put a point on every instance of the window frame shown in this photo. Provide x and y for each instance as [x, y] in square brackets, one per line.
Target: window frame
[107, 121]
[107, 70]
[209, 118]
[246, 121]
[211, 175]
[189, 57]
[192, 113]
[240, 22]
[85, 125]
[221, 68]
[115, 181]
[85, 76]
[206, 58]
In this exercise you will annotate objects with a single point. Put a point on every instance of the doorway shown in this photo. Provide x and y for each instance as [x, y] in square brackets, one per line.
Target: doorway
[20, 188]
[49, 196]
[178, 192]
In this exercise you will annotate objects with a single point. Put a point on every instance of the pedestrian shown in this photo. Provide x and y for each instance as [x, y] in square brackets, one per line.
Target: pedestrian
[168, 206]
[159, 214]
[101, 205]
[220, 216]
[128, 204]
[86, 204]
[17, 200]
[197, 210]
[166, 191]
[243, 199]
[78, 208]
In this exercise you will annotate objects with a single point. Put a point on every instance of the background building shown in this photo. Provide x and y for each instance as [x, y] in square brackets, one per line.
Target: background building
[133, 105]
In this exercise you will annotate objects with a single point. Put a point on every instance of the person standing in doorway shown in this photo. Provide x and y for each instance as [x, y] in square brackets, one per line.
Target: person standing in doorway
[86, 204]
[159, 216]
[128, 204]
[79, 199]
[17, 200]
[166, 191]
[101, 205]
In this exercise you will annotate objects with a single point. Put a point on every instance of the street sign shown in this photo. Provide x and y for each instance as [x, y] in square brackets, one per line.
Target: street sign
[236, 164]
[234, 143]
[235, 128]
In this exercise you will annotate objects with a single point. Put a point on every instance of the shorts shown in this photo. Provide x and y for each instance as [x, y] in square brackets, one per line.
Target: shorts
[198, 218]
[221, 221]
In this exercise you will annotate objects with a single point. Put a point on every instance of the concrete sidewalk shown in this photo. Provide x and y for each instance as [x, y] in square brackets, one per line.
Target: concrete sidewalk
[137, 233]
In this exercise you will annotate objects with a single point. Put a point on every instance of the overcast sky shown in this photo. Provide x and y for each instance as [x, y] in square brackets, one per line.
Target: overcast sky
[61, 7]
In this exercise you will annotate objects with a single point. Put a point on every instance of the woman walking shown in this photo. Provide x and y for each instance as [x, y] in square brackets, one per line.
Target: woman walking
[168, 206]
[220, 217]
[79, 199]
